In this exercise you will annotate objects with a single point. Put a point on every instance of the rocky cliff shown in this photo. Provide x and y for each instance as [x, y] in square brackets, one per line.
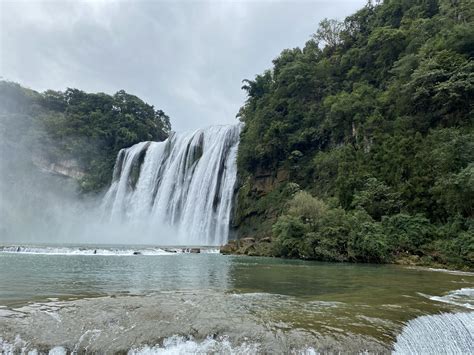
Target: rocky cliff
[68, 168]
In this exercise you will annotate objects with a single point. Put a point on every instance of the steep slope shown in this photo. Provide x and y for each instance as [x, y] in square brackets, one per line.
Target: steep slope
[360, 146]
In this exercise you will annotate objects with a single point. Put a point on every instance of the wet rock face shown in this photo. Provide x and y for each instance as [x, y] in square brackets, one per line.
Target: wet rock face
[69, 168]
[264, 181]
[257, 203]
[122, 323]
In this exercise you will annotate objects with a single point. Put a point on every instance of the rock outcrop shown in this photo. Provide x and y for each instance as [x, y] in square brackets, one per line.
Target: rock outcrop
[69, 168]
[248, 246]
[264, 181]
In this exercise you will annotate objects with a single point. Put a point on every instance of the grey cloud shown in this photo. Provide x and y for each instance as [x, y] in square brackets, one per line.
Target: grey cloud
[187, 58]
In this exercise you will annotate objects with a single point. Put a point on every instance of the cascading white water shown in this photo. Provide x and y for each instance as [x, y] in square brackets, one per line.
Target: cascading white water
[447, 333]
[185, 182]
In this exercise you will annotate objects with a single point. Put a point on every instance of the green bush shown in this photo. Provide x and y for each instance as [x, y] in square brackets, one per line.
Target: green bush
[367, 240]
[290, 232]
[406, 233]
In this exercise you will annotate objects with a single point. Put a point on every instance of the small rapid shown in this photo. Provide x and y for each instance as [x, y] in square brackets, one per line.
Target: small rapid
[104, 251]
[446, 333]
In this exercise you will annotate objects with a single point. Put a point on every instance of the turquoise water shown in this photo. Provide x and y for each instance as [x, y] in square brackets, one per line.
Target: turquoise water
[323, 298]
[26, 277]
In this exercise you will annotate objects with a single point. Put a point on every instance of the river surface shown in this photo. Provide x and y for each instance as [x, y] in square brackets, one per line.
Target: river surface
[104, 298]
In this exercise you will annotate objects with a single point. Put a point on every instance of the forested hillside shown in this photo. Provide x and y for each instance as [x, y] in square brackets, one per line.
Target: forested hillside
[360, 146]
[73, 129]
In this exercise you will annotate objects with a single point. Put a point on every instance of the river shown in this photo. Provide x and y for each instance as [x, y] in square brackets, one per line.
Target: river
[144, 299]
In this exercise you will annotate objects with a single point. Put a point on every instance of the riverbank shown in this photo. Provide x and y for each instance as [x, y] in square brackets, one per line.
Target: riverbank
[265, 247]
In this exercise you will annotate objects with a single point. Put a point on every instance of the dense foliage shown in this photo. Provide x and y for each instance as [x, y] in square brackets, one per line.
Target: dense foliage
[87, 128]
[373, 123]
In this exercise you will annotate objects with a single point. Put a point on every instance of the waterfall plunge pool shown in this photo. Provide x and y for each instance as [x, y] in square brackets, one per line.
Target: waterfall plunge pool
[183, 302]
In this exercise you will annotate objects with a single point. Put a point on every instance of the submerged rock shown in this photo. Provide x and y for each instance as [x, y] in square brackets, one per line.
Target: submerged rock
[191, 250]
[124, 323]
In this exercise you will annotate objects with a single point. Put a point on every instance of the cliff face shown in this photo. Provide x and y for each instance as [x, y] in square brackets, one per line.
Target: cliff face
[264, 181]
[258, 202]
[68, 168]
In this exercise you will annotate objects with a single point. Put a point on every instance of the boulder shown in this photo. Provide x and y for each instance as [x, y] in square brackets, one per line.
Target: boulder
[229, 248]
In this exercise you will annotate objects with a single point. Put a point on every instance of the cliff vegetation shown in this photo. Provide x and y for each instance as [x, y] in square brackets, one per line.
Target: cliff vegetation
[74, 133]
[360, 145]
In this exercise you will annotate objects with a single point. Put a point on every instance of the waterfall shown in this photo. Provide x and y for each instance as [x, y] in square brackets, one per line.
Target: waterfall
[182, 187]
[447, 333]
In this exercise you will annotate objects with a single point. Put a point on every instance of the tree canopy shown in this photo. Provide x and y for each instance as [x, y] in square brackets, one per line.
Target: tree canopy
[374, 118]
[90, 128]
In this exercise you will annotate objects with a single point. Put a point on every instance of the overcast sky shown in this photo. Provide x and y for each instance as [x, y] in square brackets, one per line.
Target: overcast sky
[185, 57]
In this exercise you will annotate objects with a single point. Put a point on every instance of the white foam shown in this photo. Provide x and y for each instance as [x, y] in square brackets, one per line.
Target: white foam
[178, 345]
[463, 298]
[18, 346]
[181, 345]
[453, 272]
[175, 345]
[447, 271]
[5, 347]
[57, 350]
[101, 251]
